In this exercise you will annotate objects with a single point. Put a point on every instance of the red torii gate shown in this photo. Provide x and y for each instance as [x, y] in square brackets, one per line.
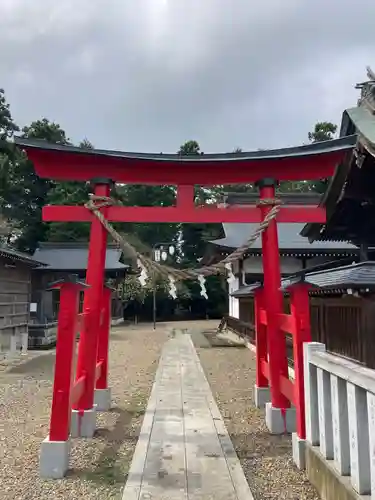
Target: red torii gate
[265, 168]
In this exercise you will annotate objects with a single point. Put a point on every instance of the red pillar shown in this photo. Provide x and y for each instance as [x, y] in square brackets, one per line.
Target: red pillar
[278, 363]
[260, 339]
[300, 309]
[105, 326]
[88, 344]
[64, 365]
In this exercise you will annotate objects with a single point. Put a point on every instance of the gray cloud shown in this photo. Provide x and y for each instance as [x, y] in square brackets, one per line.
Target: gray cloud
[149, 74]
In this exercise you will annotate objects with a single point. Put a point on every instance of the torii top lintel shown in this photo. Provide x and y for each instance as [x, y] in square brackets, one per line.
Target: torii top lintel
[312, 161]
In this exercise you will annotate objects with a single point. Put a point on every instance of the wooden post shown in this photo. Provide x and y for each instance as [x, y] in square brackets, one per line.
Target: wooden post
[103, 344]
[63, 379]
[260, 339]
[278, 363]
[300, 310]
[88, 344]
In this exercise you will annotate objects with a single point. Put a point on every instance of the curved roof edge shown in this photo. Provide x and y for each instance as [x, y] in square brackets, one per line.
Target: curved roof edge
[317, 148]
[357, 120]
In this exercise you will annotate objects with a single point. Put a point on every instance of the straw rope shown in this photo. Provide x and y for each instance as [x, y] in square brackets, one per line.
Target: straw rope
[96, 203]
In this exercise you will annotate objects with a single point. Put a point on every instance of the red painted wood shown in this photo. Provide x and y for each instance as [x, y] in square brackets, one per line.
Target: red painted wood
[78, 389]
[66, 213]
[64, 364]
[185, 197]
[103, 344]
[88, 343]
[278, 363]
[263, 315]
[287, 323]
[287, 389]
[83, 167]
[300, 309]
[98, 370]
[265, 368]
[260, 339]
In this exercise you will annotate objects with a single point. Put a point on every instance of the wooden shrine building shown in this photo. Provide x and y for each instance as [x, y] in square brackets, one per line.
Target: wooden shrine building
[16, 270]
[59, 261]
[296, 252]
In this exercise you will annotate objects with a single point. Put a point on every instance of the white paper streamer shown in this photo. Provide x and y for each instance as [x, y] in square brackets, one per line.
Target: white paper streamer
[172, 287]
[143, 276]
[202, 281]
[231, 277]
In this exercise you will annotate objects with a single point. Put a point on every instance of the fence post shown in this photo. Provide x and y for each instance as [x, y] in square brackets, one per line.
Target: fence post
[102, 396]
[300, 310]
[54, 456]
[261, 390]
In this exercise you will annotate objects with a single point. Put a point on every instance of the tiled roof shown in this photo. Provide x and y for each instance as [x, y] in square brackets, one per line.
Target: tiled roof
[11, 253]
[361, 275]
[74, 257]
[356, 276]
[289, 239]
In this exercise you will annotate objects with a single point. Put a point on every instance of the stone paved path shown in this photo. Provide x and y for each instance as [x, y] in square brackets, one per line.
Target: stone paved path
[184, 451]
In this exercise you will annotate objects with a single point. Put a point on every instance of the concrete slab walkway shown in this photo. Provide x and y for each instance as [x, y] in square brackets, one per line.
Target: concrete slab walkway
[184, 451]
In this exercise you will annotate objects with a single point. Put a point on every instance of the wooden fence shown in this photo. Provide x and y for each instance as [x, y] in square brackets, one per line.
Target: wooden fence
[346, 325]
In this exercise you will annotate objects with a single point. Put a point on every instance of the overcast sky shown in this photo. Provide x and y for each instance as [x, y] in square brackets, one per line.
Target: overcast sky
[147, 75]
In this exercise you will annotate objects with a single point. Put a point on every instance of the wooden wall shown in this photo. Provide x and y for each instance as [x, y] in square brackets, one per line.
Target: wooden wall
[15, 289]
[344, 323]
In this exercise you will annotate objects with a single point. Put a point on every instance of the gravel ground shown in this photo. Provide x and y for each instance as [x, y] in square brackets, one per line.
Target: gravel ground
[266, 459]
[98, 466]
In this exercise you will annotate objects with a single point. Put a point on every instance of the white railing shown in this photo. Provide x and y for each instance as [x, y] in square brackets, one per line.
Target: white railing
[340, 414]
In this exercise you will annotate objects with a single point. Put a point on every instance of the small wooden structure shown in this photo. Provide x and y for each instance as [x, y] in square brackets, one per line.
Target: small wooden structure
[59, 261]
[15, 292]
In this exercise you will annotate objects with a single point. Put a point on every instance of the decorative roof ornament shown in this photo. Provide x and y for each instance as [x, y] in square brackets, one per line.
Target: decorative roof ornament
[367, 88]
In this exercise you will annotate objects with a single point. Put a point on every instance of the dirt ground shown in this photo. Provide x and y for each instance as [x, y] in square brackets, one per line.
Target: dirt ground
[266, 459]
[98, 466]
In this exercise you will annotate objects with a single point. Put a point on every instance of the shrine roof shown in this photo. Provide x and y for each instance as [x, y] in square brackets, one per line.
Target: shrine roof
[13, 254]
[349, 199]
[69, 162]
[74, 257]
[289, 239]
[359, 276]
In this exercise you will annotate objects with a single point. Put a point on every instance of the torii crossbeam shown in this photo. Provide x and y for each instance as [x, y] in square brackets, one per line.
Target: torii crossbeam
[265, 168]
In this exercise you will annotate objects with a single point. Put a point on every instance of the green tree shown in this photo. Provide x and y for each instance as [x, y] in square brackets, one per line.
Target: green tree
[28, 193]
[190, 148]
[323, 131]
[7, 156]
[195, 238]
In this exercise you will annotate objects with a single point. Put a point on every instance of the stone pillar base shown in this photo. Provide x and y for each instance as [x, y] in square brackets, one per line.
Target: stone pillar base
[83, 425]
[262, 395]
[102, 399]
[280, 421]
[54, 459]
[298, 447]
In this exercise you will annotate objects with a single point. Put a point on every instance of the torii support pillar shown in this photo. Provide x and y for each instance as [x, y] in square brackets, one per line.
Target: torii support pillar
[279, 406]
[55, 451]
[84, 412]
[102, 396]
